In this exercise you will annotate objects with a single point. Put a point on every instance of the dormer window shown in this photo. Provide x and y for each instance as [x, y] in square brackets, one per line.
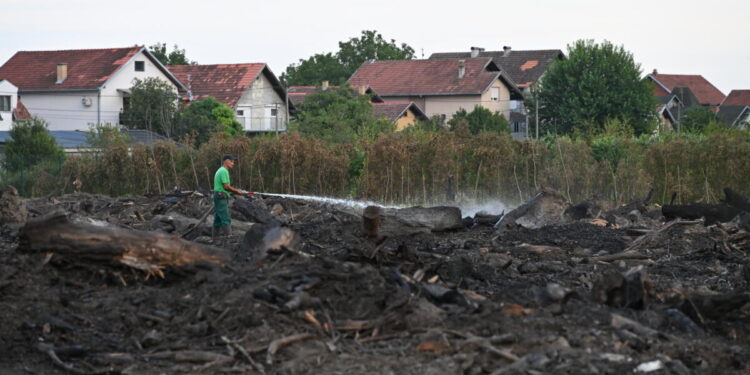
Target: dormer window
[140, 66]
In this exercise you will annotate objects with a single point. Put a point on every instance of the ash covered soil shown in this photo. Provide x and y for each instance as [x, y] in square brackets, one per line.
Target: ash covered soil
[553, 300]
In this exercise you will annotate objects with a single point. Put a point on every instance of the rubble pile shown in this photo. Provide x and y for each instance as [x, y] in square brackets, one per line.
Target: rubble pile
[303, 287]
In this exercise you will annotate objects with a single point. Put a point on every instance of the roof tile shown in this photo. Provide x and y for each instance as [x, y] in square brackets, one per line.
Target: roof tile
[224, 82]
[425, 77]
[87, 68]
[519, 64]
[705, 92]
[737, 97]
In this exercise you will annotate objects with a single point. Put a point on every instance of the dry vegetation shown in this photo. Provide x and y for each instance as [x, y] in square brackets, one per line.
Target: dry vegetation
[416, 168]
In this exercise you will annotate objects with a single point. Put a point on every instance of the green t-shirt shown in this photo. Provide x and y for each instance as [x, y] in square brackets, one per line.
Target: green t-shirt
[220, 178]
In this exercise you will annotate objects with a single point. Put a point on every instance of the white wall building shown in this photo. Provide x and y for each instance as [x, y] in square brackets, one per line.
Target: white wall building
[72, 89]
[252, 90]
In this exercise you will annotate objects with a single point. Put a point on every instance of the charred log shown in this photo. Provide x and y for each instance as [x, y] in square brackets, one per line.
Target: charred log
[152, 252]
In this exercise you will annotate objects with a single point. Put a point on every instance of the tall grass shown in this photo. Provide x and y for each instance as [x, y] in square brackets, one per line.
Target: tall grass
[418, 167]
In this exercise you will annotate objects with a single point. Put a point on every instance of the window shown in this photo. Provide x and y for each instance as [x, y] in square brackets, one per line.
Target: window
[240, 112]
[274, 112]
[140, 66]
[516, 127]
[495, 96]
[5, 103]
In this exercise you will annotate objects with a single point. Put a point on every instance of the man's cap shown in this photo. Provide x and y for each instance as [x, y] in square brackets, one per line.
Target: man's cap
[228, 157]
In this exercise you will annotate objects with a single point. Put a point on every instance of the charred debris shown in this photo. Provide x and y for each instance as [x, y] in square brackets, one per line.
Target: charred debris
[99, 285]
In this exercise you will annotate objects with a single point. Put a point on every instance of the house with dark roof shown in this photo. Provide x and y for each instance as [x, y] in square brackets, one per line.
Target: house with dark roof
[524, 67]
[72, 89]
[440, 87]
[252, 90]
[735, 109]
[706, 93]
[401, 113]
[671, 107]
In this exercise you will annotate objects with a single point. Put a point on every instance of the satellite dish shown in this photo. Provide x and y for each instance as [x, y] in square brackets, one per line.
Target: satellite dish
[86, 101]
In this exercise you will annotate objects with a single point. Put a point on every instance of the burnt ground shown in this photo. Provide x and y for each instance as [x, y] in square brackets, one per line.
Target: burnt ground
[455, 302]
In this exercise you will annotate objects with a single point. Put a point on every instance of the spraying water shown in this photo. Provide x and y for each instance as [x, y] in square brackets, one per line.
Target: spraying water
[468, 208]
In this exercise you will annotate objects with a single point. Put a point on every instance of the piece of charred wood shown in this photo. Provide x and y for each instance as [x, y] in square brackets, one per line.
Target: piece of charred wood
[371, 221]
[714, 213]
[151, 252]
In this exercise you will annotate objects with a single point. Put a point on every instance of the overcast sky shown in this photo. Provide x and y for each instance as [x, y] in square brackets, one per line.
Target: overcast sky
[711, 38]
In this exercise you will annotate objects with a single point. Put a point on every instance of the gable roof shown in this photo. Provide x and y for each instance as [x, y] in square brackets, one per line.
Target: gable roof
[737, 97]
[731, 114]
[298, 94]
[523, 66]
[429, 77]
[394, 110]
[704, 91]
[88, 69]
[224, 82]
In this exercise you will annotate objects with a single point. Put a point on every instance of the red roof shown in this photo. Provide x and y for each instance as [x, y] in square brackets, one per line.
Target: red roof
[224, 82]
[426, 77]
[21, 113]
[705, 92]
[738, 97]
[87, 68]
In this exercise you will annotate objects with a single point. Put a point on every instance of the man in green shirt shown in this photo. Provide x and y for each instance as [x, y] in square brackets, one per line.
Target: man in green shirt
[221, 194]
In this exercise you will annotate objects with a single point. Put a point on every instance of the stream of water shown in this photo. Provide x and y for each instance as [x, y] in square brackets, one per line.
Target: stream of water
[494, 207]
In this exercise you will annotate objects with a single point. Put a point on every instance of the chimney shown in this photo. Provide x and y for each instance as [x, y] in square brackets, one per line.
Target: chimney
[325, 85]
[506, 50]
[62, 72]
[655, 71]
[362, 90]
[475, 51]
[461, 68]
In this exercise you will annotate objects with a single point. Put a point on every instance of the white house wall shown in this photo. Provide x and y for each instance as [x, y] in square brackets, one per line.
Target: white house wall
[63, 111]
[67, 111]
[8, 89]
[255, 104]
[123, 80]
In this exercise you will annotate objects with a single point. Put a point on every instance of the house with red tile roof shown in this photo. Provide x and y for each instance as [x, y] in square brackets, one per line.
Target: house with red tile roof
[706, 93]
[440, 86]
[252, 90]
[524, 67]
[72, 89]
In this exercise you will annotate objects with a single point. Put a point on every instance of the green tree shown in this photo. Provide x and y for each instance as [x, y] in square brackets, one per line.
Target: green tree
[596, 83]
[337, 68]
[371, 45]
[30, 145]
[175, 57]
[314, 70]
[480, 119]
[153, 104]
[696, 119]
[339, 116]
[204, 117]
